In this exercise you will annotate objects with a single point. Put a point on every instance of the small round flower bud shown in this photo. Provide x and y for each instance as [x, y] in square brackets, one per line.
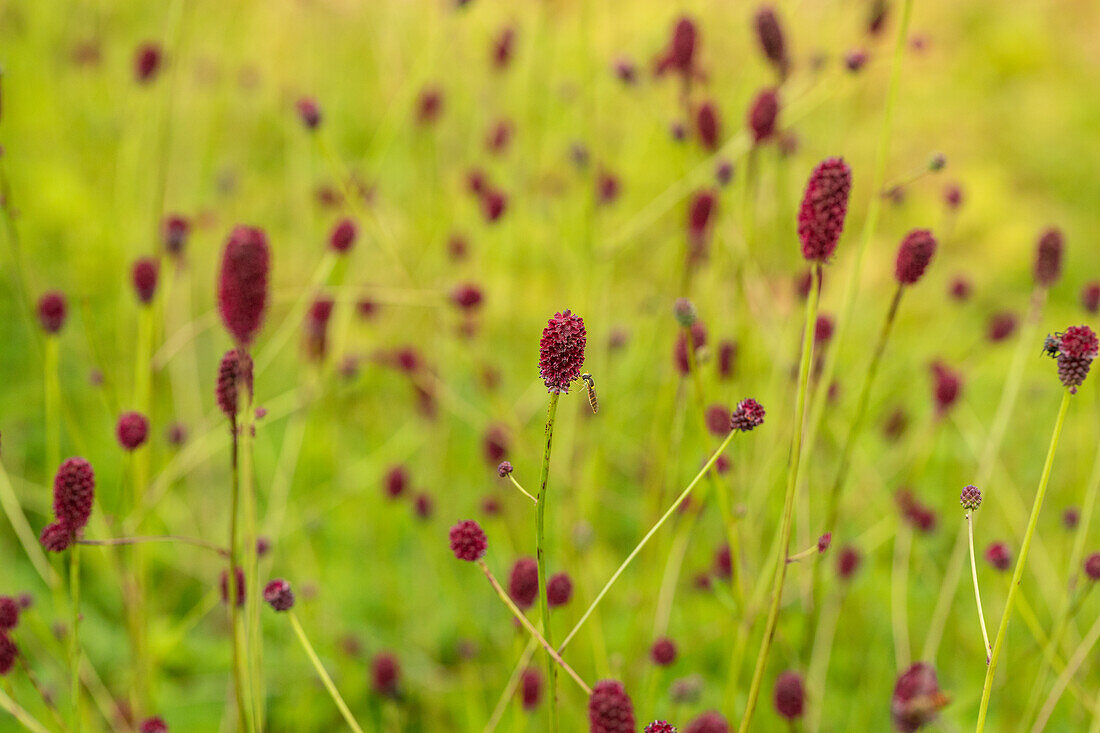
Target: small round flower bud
[1070, 517]
[523, 583]
[937, 162]
[467, 297]
[718, 420]
[559, 590]
[132, 430]
[343, 236]
[946, 386]
[790, 696]
[847, 562]
[610, 709]
[914, 254]
[385, 674]
[561, 351]
[1001, 326]
[144, 276]
[504, 469]
[397, 480]
[998, 556]
[1092, 566]
[309, 112]
[468, 541]
[685, 312]
[174, 231]
[971, 498]
[748, 415]
[147, 62]
[52, 310]
[663, 652]
[824, 208]
[278, 595]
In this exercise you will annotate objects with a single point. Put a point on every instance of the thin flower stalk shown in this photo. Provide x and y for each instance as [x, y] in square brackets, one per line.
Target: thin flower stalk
[119, 541]
[74, 637]
[977, 591]
[25, 719]
[899, 604]
[244, 711]
[788, 501]
[323, 674]
[540, 554]
[1075, 662]
[522, 490]
[1017, 574]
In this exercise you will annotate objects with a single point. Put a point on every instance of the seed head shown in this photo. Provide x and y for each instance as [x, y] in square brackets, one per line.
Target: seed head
[468, 541]
[763, 114]
[1077, 347]
[9, 613]
[1048, 257]
[278, 595]
[132, 430]
[309, 112]
[73, 494]
[748, 415]
[523, 583]
[56, 537]
[707, 126]
[561, 351]
[531, 688]
[385, 674]
[52, 310]
[1092, 566]
[660, 726]
[769, 34]
[8, 653]
[971, 498]
[709, 722]
[559, 590]
[174, 231]
[663, 652]
[610, 709]
[504, 469]
[917, 698]
[343, 236]
[914, 254]
[824, 207]
[790, 696]
[223, 584]
[235, 368]
[144, 276]
[154, 725]
[242, 288]
[998, 556]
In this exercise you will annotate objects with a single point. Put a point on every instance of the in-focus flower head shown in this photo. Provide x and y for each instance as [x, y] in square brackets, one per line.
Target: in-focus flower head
[914, 254]
[917, 698]
[242, 286]
[132, 430]
[561, 351]
[971, 498]
[523, 582]
[73, 494]
[610, 709]
[824, 208]
[279, 595]
[748, 415]
[468, 541]
[790, 695]
[1076, 348]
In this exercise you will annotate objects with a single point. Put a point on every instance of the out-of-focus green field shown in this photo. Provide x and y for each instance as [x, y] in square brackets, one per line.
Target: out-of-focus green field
[94, 160]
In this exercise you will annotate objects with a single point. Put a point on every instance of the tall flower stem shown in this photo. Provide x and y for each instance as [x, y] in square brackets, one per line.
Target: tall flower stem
[244, 716]
[1079, 657]
[117, 541]
[1017, 574]
[323, 674]
[253, 633]
[788, 500]
[74, 636]
[53, 403]
[899, 587]
[977, 592]
[540, 554]
[25, 719]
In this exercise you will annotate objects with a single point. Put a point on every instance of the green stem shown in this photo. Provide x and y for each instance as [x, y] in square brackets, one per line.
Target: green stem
[788, 500]
[899, 585]
[25, 719]
[540, 553]
[977, 592]
[1017, 574]
[194, 542]
[53, 404]
[74, 636]
[332, 691]
[244, 718]
[1066, 677]
[253, 633]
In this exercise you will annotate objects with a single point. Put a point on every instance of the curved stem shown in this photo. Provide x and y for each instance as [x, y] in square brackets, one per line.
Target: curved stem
[25, 719]
[977, 592]
[521, 489]
[540, 554]
[788, 501]
[116, 541]
[74, 636]
[244, 716]
[1017, 574]
[323, 674]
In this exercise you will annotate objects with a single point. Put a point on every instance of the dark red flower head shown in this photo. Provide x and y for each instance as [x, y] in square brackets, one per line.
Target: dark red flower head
[1090, 296]
[397, 480]
[531, 688]
[1001, 326]
[727, 353]
[504, 469]
[970, 498]
[174, 231]
[1092, 566]
[847, 562]
[235, 369]
[663, 652]
[343, 236]
[917, 698]
[523, 583]
[790, 696]
[824, 207]
[823, 329]
[144, 276]
[9, 613]
[429, 105]
[309, 112]
[278, 595]
[700, 213]
[132, 430]
[73, 494]
[242, 288]
[660, 726]
[748, 415]
[718, 420]
[770, 36]
[679, 56]
[223, 584]
[385, 673]
[610, 709]
[707, 126]
[914, 254]
[763, 114]
[56, 537]
[52, 310]
[559, 590]
[823, 542]
[504, 47]
[8, 653]
[468, 542]
[493, 204]
[154, 725]
[1077, 348]
[1048, 257]
[998, 556]
[953, 195]
[147, 61]
[467, 296]
[946, 386]
[561, 351]
[855, 60]
[709, 722]
[607, 187]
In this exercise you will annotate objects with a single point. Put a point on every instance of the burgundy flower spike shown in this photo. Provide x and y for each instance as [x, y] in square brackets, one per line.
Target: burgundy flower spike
[242, 286]
[824, 207]
[561, 351]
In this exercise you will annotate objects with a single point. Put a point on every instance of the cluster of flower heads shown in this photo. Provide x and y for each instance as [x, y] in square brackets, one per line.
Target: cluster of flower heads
[73, 495]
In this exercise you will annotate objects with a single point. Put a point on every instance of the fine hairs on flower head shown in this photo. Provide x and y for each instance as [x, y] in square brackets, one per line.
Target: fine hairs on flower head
[610, 709]
[914, 254]
[561, 351]
[242, 284]
[824, 208]
[468, 541]
[279, 595]
[970, 498]
[504, 469]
